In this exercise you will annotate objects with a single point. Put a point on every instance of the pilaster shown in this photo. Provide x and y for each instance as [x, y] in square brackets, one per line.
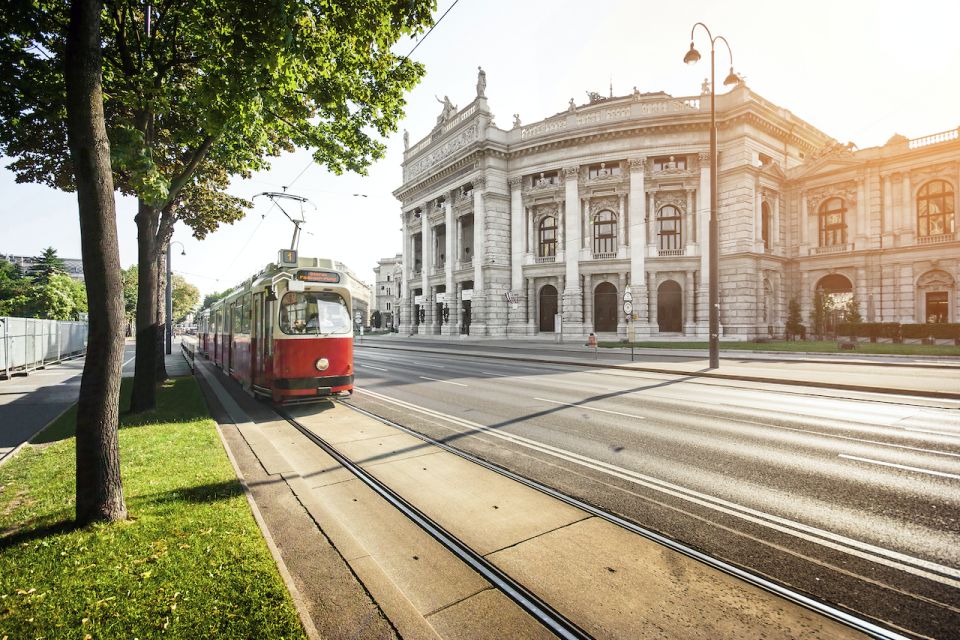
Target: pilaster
[572, 295]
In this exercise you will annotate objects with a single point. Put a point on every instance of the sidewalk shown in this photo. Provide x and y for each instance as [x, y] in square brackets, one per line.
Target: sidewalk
[873, 374]
[610, 582]
[29, 403]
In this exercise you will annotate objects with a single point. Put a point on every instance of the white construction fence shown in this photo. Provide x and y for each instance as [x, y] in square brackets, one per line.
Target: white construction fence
[27, 343]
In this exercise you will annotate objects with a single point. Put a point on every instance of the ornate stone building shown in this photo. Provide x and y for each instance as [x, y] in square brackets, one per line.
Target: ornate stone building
[543, 227]
[386, 290]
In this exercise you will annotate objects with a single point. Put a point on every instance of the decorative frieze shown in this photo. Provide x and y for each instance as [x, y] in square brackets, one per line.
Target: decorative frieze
[443, 152]
[845, 190]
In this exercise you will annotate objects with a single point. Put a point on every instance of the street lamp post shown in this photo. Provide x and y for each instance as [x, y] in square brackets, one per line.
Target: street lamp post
[169, 296]
[691, 57]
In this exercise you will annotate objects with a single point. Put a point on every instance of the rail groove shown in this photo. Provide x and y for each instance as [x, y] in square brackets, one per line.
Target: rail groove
[866, 627]
[523, 597]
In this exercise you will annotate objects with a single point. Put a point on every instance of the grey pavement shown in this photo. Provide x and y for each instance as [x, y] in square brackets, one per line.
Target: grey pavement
[29, 403]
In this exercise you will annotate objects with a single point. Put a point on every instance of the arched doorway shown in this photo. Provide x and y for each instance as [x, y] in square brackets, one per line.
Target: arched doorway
[548, 308]
[836, 291]
[670, 307]
[605, 307]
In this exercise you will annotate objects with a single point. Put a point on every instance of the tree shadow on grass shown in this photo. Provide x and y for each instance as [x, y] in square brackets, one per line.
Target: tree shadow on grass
[21, 535]
[200, 494]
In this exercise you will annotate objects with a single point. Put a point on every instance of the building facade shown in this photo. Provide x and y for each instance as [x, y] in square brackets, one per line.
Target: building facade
[73, 266]
[386, 294]
[543, 228]
[359, 291]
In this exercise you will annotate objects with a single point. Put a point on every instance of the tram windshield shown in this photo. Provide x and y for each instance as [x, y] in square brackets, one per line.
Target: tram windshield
[308, 313]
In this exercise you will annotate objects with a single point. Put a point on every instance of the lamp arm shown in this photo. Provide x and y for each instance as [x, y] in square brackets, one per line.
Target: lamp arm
[729, 50]
[705, 28]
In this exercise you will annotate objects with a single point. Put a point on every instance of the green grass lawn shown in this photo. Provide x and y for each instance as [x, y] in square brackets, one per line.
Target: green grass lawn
[189, 563]
[819, 346]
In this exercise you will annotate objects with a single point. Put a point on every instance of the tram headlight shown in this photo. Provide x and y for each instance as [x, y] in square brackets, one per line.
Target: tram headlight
[322, 364]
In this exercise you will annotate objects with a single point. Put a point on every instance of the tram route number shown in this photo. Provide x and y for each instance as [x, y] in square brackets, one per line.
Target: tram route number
[326, 277]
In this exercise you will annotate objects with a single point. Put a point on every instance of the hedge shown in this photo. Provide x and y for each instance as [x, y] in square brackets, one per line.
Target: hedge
[941, 330]
[870, 329]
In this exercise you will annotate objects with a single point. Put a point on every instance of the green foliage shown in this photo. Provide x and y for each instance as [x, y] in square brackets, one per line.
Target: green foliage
[190, 563]
[185, 296]
[46, 265]
[218, 86]
[794, 327]
[51, 294]
[818, 312]
[210, 298]
[852, 312]
[130, 275]
[939, 330]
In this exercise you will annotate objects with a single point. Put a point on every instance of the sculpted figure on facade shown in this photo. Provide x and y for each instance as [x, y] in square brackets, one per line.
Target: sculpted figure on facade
[516, 120]
[481, 82]
[406, 139]
[448, 109]
[572, 107]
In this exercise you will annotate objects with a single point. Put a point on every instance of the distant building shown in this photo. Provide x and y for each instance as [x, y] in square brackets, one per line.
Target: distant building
[74, 266]
[389, 273]
[506, 232]
[359, 290]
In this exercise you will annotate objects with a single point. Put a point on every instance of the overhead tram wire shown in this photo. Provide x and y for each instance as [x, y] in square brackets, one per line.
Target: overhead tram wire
[310, 164]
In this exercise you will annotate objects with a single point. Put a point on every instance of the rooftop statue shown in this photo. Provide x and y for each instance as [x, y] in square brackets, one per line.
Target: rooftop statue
[406, 139]
[481, 82]
[516, 120]
[448, 109]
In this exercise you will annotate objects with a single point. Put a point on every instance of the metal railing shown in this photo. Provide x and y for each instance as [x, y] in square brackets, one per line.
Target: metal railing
[27, 344]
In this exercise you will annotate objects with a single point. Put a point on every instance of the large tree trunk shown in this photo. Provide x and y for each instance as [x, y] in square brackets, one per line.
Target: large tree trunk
[99, 488]
[145, 381]
[161, 313]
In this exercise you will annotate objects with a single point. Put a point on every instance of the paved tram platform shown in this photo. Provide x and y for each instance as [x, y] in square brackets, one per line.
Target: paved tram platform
[609, 581]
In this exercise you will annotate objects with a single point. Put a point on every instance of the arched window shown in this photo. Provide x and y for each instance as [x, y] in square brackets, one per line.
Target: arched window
[833, 225]
[605, 232]
[765, 224]
[935, 209]
[669, 228]
[547, 245]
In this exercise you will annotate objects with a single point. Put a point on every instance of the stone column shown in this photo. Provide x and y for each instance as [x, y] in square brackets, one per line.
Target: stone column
[516, 311]
[621, 317]
[906, 226]
[406, 259]
[531, 233]
[531, 306]
[887, 211]
[586, 225]
[802, 224]
[588, 303]
[572, 296]
[478, 326]
[775, 241]
[637, 206]
[622, 229]
[651, 220]
[863, 214]
[459, 239]
[689, 327]
[451, 327]
[703, 295]
[757, 219]
[426, 243]
[688, 223]
[652, 288]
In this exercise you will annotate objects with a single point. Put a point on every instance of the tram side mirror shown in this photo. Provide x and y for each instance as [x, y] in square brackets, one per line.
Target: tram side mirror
[271, 296]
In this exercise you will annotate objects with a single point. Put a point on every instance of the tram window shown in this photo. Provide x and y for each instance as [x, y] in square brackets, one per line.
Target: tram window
[247, 313]
[321, 313]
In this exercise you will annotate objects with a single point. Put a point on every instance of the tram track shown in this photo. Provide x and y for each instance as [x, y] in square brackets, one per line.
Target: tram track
[539, 609]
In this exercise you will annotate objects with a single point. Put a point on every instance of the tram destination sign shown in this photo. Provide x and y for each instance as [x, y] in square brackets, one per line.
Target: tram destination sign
[326, 277]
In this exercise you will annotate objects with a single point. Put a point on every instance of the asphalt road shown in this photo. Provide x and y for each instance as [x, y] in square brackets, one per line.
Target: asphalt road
[853, 498]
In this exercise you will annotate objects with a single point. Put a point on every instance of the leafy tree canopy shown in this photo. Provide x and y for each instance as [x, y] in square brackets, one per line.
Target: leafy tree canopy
[210, 298]
[214, 89]
[46, 265]
[185, 296]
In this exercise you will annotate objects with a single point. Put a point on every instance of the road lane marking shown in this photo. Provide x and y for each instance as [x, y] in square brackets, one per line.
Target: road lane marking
[370, 366]
[582, 406]
[443, 381]
[930, 570]
[901, 466]
[423, 364]
[128, 362]
[939, 433]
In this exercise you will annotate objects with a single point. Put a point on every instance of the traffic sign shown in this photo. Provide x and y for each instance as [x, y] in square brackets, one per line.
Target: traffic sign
[627, 308]
[627, 296]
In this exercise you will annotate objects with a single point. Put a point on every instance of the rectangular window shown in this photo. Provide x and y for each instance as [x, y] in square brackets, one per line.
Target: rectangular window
[388, 306]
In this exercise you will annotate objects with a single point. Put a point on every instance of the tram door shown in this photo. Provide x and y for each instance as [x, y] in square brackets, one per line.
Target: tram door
[256, 340]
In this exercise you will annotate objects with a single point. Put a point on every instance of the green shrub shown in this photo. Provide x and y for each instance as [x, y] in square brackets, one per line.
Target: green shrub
[872, 330]
[941, 330]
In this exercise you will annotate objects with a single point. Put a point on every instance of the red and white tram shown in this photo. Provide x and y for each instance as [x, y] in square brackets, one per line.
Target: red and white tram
[286, 333]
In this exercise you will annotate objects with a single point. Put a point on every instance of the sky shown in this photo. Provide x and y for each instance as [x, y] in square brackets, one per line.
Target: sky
[858, 70]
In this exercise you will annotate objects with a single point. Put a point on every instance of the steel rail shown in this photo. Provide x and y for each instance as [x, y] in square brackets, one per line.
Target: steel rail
[848, 619]
[523, 597]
